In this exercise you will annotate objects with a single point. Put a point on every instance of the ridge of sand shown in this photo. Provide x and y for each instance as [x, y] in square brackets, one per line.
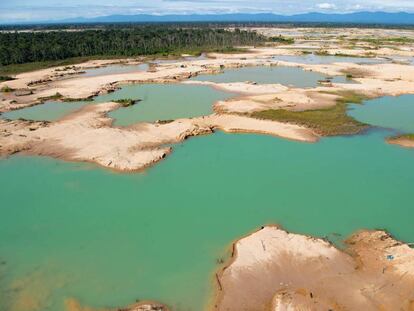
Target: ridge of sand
[273, 269]
[87, 135]
[72, 304]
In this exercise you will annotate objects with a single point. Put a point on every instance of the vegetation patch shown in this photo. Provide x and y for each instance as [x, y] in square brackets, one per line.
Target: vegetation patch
[352, 73]
[69, 100]
[5, 78]
[32, 66]
[327, 122]
[57, 96]
[163, 121]
[54, 46]
[403, 136]
[322, 53]
[350, 55]
[127, 102]
[6, 89]
[281, 39]
[381, 41]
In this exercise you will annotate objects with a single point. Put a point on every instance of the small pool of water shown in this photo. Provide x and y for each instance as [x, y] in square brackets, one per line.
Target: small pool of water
[158, 102]
[403, 59]
[49, 111]
[290, 76]
[163, 102]
[114, 69]
[390, 112]
[318, 59]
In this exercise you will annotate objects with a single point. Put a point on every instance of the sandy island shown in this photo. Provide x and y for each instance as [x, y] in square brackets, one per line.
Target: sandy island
[401, 141]
[272, 269]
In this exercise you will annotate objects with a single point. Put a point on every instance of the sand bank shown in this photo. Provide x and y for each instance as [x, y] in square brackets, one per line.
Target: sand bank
[72, 304]
[401, 141]
[272, 269]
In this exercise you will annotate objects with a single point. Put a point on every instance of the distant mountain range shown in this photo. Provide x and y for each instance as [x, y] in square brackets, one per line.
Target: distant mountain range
[401, 18]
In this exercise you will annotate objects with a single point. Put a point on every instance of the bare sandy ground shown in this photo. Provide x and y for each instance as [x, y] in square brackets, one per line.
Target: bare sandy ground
[272, 269]
[401, 141]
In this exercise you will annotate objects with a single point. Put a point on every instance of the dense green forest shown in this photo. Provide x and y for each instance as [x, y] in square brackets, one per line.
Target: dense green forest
[25, 47]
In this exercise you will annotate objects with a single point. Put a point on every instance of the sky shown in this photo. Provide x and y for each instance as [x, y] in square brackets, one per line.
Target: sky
[38, 10]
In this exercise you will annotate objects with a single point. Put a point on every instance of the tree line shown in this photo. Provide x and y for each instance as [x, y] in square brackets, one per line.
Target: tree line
[25, 47]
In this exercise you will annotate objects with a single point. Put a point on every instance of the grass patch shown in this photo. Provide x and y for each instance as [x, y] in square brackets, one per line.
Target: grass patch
[355, 73]
[350, 55]
[70, 100]
[60, 97]
[127, 102]
[57, 96]
[5, 78]
[164, 121]
[349, 97]
[327, 122]
[403, 136]
[322, 53]
[27, 67]
[6, 89]
[281, 39]
[380, 41]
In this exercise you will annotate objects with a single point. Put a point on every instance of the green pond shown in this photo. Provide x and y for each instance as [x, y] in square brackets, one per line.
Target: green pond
[49, 111]
[115, 69]
[290, 76]
[107, 239]
[163, 102]
[172, 101]
[158, 102]
[328, 59]
[390, 112]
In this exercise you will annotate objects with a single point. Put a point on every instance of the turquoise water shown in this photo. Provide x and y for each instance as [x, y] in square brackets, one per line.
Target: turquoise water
[115, 69]
[158, 102]
[75, 230]
[172, 101]
[107, 239]
[49, 111]
[319, 59]
[390, 112]
[163, 102]
[291, 76]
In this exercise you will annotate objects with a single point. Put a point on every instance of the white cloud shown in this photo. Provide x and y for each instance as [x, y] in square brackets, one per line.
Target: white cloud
[30, 10]
[326, 6]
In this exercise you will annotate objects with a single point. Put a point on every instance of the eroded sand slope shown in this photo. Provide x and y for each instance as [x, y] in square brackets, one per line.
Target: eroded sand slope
[276, 270]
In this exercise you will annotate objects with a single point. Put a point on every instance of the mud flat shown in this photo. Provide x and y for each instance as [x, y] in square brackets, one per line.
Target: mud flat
[272, 269]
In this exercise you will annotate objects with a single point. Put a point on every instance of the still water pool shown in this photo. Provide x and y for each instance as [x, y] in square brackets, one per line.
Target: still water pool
[76, 230]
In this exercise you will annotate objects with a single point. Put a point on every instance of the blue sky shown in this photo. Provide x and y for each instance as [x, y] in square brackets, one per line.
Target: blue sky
[35, 10]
